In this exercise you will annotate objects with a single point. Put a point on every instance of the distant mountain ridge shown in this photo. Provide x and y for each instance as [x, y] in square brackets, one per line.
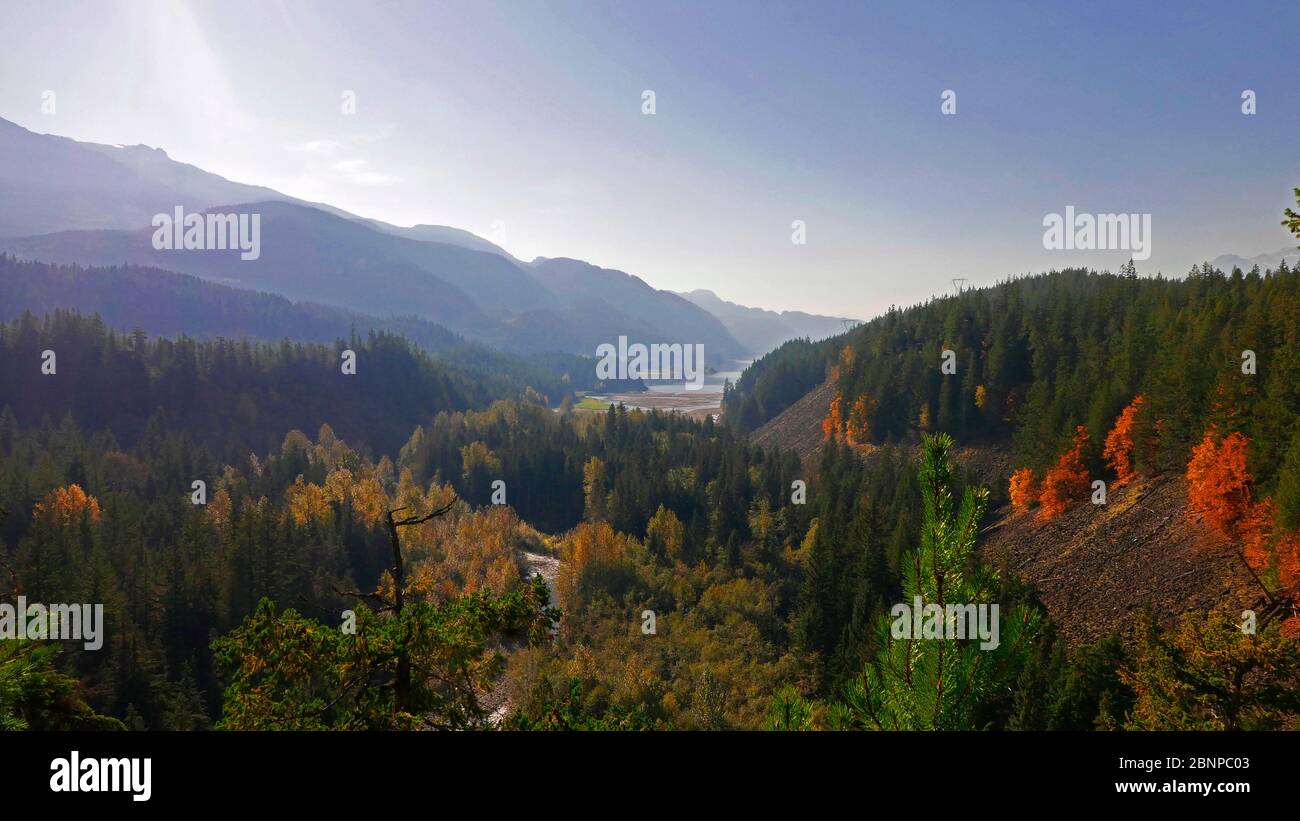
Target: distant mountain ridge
[167, 304]
[762, 331]
[1266, 262]
[66, 201]
[678, 319]
[100, 186]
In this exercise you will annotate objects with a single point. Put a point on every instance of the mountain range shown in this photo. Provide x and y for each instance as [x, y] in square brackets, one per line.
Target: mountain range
[761, 330]
[1266, 262]
[69, 202]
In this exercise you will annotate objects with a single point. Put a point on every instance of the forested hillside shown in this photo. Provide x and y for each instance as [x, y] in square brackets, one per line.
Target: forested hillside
[163, 303]
[704, 582]
[166, 304]
[303, 523]
[237, 395]
[1086, 384]
[1037, 356]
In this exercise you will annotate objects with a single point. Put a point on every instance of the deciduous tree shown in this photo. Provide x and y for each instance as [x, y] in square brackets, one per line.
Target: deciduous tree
[1218, 480]
[1066, 482]
[1023, 489]
[1118, 451]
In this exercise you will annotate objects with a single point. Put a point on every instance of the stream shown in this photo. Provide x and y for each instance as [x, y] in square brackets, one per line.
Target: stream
[549, 568]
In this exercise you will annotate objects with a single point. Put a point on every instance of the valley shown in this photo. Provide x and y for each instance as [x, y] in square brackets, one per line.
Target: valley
[770, 521]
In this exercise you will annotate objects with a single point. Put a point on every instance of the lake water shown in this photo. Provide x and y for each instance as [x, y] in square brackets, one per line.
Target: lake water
[712, 382]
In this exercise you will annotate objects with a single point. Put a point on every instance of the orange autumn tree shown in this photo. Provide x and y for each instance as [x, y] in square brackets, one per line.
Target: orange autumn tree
[65, 506]
[1024, 489]
[1218, 481]
[1066, 483]
[1256, 531]
[1286, 562]
[858, 430]
[1267, 548]
[1118, 452]
[1219, 487]
[833, 424]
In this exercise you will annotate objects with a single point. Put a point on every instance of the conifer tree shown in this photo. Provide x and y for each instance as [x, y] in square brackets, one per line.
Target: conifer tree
[943, 683]
[1206, 674]
[1292, 221]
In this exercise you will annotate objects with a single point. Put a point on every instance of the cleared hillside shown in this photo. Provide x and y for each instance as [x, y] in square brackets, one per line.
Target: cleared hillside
[798, 427]
[1098, 566]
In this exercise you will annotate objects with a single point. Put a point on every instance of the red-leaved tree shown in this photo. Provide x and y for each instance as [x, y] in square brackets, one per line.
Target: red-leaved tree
[1066, 483]
[1218, 481]
[1118, 452]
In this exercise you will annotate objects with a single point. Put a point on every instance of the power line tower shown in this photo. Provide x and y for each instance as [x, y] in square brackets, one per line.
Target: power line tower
[958, 282]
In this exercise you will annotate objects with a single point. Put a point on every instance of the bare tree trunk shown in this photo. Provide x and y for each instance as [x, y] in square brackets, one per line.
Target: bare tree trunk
[402, 682]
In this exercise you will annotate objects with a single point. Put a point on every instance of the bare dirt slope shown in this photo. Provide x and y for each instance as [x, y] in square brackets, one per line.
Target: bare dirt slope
[798, 427]
[1098, 566]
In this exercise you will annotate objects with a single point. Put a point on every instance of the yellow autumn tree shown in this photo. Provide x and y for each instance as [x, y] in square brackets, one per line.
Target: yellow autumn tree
[665, 534]
[369, 501]
[1023, 489]
[331, 450]
[220, 511]
[467, 551]
[296, 440]
[308, 503]
[589, 555]
[338, 486]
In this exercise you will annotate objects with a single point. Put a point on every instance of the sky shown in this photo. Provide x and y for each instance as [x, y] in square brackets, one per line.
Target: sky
[524, 122]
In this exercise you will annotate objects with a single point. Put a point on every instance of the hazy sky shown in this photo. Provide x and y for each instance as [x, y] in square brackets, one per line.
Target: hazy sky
[523, 122]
